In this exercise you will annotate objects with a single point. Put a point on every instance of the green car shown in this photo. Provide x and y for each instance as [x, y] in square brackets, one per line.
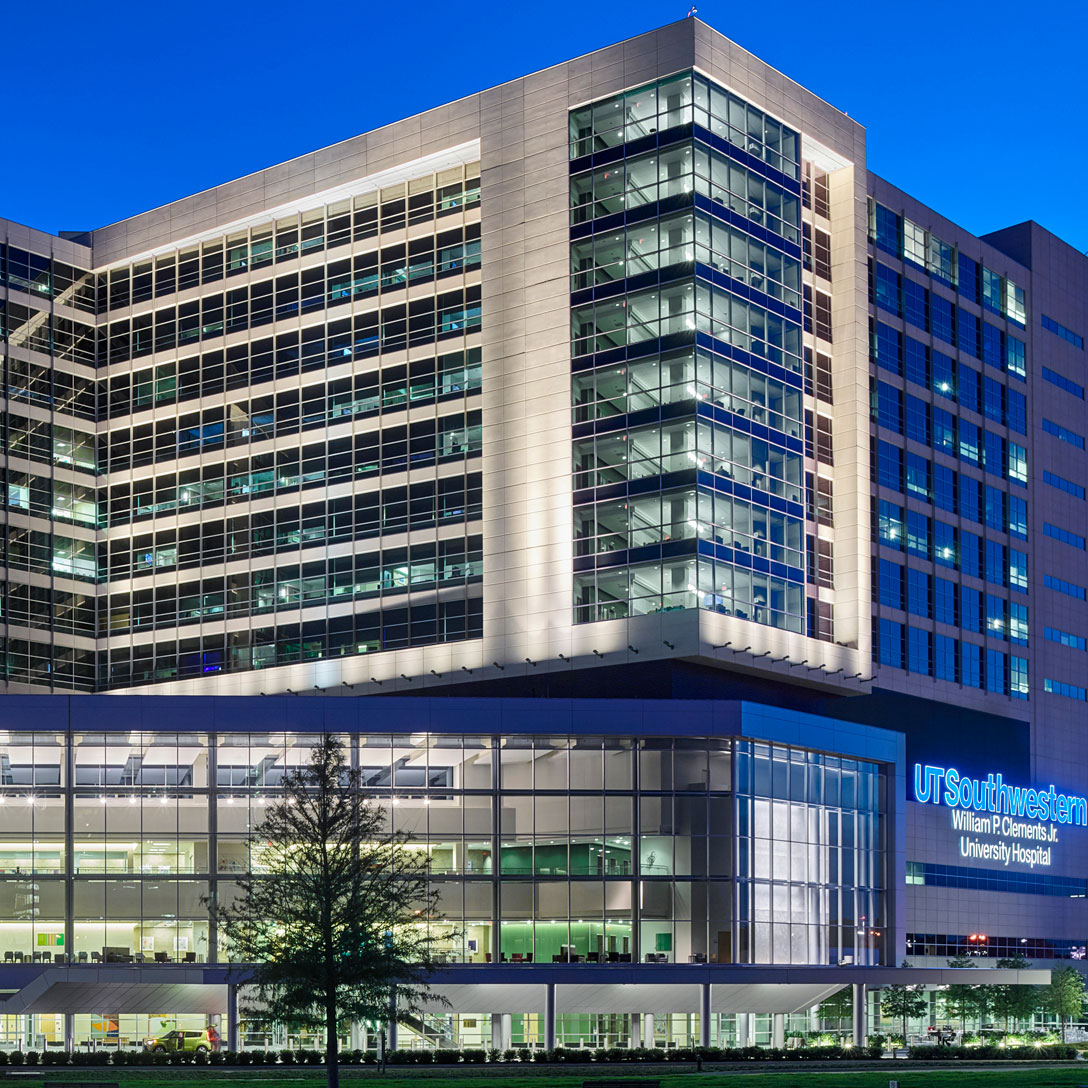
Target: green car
[203, 1040]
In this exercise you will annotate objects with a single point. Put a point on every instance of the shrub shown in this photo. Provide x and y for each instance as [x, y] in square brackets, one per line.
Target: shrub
[509, 1055]
[32, 1057]
[15, 1057]
[445, 1056]
[230, 1057]
[476, 1057]
[287, 1057]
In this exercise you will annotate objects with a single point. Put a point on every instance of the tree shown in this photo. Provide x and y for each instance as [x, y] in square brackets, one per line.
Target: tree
[958, 998]
[1065, 995]
[329, 925]
[839, 1006]
[1014, 1002]
[902, 1001]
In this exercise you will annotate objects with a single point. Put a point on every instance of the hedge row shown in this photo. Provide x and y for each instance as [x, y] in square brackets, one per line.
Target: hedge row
[992, 1053]
[561, 1055]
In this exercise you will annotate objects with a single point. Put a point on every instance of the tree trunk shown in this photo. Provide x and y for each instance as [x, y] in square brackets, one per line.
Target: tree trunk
[332, 1044]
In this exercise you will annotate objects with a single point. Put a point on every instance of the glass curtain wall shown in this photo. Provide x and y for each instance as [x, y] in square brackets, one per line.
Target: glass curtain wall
[553, 849]
[686, 341]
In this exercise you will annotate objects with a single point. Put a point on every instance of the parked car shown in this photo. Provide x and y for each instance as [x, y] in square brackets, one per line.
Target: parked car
[201, 1041]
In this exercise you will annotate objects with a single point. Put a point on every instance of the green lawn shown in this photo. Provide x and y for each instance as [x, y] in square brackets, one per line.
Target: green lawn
[908, 1076]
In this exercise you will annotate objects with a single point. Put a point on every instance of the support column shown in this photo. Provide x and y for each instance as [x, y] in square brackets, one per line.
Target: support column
[636, 1031]
[647, 1029]
[496, 1031]
[744, 1028]
[704, 1014]
[507, 1031]
[549, 1016]
[778, 1032]
[391, 1028]
[232, 1017]
[69, 1032]
[861, 1014]
[357, 1035]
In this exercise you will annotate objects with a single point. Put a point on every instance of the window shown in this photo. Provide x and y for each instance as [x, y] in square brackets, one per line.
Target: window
[888, 348]
[889, 407]
[1017, 413]
[914, 243]
[1018, 677]
[942, 319]
[993, 399]
[992, 353]
[916, 362]
[944, 431]
[944, 488]
[1061, 586]
[967, 332]
[917, 534]
[1018, 570]
[887, 289]
[915, 304]
[918, 477]
[968, 387]
[993, 453]
[970, 609]
[890, 520]
[970, 498]
[891, 644]
[1060, 330]
[1062, 484]
[1018, 623]
[889, 466]
[1017, 464]
[1070, 691]
[996, 680]
[917, 420]
[1063, 434]
[1015, 304]
[1063, 382]
[1064, 638]
[944, 601]
[887, 229]
[968, 280]
[942, 261]
[944, 375]
[944, 544]
[969, 443]
[1056, 532]
[971, 665]
[945, 658]
[1018, 517]
[996, 621]
[992, 293]
[995, 562]
[891, 584]
[1016, 357]
[970, 554]
[918, 595]
[919, 651]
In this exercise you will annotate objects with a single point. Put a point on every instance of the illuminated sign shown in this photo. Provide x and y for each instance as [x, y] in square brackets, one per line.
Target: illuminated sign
[998, 822]
[945, 785]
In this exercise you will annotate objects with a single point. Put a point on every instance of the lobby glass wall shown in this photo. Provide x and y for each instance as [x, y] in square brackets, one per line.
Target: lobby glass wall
[544, 849]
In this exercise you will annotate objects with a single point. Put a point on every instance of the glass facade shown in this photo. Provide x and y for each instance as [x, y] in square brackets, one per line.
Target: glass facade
[254, 400]
[544, 849]
[687, 322]
[951, 465]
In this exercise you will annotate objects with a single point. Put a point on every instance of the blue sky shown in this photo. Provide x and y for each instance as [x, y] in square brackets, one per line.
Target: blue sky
[977, 109]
